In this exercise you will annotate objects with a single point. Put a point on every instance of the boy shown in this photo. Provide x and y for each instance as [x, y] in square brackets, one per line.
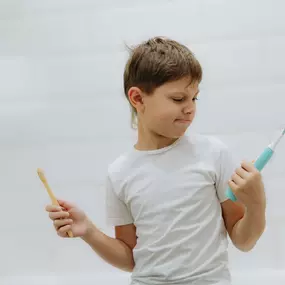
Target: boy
[166, 196]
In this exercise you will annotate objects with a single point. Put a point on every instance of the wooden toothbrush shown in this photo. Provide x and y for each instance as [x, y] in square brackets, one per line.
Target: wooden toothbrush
[50, 193]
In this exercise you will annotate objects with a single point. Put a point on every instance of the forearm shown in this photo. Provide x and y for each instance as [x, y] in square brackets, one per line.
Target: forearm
[249, 229]
[113, 251]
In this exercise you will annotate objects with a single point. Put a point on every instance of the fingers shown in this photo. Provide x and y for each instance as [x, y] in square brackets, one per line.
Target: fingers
[243, 175]
[62, 232]
[58, 215]
[66, 205]
[56, 212]
[248, 166]
[237, 179]
[241, 172]
[233, 186]
[53, 208]
[244, 171]
[60, 223]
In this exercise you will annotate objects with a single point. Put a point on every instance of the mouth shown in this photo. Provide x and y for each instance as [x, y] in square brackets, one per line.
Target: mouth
[183, 121]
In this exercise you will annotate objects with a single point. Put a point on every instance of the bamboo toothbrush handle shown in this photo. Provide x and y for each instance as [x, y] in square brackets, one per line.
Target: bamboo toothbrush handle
[50, 193]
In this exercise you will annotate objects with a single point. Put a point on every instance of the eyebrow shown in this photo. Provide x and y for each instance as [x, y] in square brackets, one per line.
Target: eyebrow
[182, 93]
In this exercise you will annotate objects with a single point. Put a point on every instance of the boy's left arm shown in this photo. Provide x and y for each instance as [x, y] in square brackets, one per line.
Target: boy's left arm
[245, 219]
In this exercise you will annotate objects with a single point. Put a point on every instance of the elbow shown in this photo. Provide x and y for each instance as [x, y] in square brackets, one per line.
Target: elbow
[129, 268]
[248, 244]
[129, 265]
[245, 247]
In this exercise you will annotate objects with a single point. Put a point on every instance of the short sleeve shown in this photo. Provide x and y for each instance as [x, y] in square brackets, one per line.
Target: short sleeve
[117, 212]
[226, 166]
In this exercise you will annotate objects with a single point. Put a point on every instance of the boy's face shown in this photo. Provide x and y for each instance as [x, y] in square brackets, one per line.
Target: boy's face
[170, 109]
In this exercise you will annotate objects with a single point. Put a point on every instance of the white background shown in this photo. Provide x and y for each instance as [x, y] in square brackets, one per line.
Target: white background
[63, 109]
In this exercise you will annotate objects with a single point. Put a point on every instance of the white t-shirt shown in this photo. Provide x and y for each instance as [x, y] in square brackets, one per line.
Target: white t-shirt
[172, 195]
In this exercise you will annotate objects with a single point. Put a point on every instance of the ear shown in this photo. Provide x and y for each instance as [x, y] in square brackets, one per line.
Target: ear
[136, 98]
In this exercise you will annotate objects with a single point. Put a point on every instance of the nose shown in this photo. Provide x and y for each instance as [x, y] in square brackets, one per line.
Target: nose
[189, 108]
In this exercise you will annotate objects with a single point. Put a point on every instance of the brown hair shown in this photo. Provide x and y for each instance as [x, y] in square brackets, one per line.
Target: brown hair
[158, 61]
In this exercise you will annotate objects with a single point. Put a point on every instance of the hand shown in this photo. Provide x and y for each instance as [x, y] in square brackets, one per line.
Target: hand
[68, 217]
[246, 184]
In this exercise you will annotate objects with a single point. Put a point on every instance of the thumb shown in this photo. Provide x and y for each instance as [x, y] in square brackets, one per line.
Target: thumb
[66, 205]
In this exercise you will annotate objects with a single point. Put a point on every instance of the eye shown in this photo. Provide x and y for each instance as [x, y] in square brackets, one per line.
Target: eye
[177, 99]
[183, 99]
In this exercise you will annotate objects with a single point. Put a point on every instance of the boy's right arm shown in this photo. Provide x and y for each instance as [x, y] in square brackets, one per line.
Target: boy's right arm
[116, 251]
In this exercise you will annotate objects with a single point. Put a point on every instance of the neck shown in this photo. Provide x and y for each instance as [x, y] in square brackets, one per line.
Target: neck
[149, 140]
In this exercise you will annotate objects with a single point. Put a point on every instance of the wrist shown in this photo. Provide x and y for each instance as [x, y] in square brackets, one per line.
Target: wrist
[91, 230]
[256, 214]
[255, 209]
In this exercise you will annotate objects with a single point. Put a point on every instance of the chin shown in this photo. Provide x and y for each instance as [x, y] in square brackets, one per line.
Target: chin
[178, 135]
[181, 134]
[174, 133]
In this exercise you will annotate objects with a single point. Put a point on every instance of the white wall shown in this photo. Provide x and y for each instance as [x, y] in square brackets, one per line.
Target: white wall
[61, 65]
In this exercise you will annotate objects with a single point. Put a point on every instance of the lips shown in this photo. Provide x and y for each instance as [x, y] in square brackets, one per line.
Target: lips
[183, 120]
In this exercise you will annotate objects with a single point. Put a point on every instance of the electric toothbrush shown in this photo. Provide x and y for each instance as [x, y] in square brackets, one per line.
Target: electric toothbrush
[260, 162]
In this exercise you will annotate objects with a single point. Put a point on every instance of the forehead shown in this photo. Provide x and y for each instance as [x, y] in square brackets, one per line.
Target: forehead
[180, 86]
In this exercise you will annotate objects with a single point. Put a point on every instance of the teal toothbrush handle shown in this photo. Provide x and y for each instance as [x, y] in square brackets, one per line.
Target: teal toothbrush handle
[259, 165]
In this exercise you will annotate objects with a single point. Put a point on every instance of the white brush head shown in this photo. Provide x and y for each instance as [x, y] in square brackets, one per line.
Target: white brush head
[276, 142]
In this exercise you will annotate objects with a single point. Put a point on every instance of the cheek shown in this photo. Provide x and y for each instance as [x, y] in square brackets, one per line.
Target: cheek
[168, 115]
[162, 111]
[172, 110]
